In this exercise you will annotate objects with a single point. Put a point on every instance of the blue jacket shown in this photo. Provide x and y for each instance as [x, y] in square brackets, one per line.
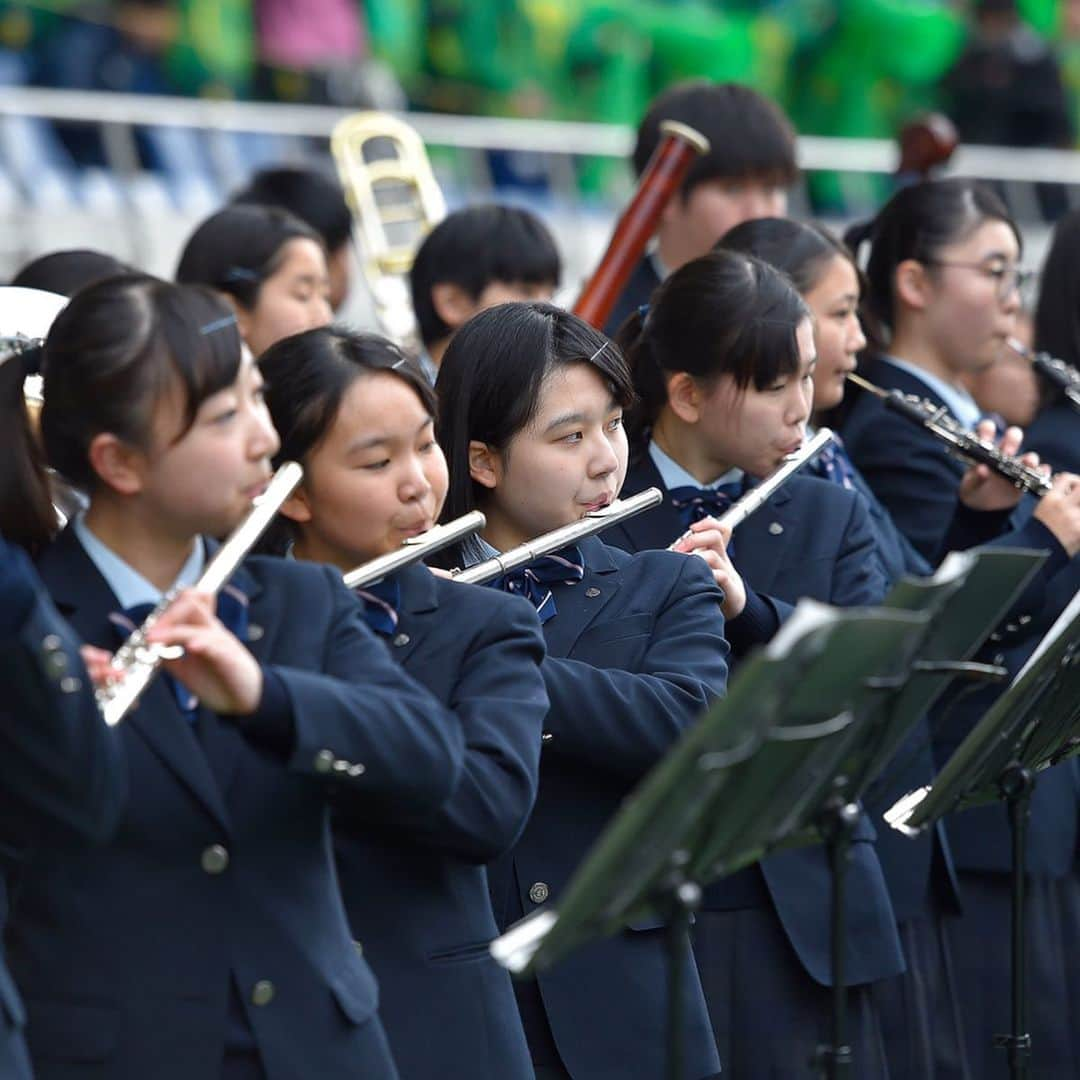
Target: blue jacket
[1055, 436]
[636, 654]
[61, 775]
[215, 908]
[812, 538]
[418, 899]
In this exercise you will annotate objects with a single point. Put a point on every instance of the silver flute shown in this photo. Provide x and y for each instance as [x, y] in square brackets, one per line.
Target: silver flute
[1064, 376]
[960, 442]
[591, 523]
[415, 549]
[756, 497]
[137, 660]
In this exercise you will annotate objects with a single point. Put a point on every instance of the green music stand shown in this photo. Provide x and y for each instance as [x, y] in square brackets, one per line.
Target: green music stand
[755, 768]
[1035, 724]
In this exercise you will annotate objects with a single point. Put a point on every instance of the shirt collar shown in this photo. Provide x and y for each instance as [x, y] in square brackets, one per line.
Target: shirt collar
[960, 403]
[127, 584]
[428, 366]
[674, 475]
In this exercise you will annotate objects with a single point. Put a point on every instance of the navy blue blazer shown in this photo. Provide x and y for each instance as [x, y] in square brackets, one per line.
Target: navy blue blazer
[812, 538]
[1055, 436]
[61, 775]
[637, 291]
[418, 899]
[216, 904]
[636, 653]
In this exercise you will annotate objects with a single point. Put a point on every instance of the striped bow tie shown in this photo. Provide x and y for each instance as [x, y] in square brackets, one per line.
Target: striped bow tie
[535, 581]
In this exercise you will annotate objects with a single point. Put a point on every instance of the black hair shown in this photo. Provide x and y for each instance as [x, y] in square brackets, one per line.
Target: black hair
[917, 223]
[115, 351]
[475, 246]
[238, 248]
[307, 376]
[309, 194]
[491, 378]
[66, 272]
[26, 511]
[1057, 314]
[749, 136]
[801, 250]
[725, 313]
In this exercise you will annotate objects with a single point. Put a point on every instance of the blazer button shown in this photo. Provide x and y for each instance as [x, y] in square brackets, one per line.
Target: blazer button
[776, 528]
[539, 892]
[69, 684]
[592, 592]
[262, 993]
[255, 632]
[401, 639]
[215, 859]
[324, 761]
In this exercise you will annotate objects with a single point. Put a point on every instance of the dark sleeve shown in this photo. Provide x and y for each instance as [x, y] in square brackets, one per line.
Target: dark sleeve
[623, 722]
[500, 699]
[367, 728]
[757, 622]
[61, 768]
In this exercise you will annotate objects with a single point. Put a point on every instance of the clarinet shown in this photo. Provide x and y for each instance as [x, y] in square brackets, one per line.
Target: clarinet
[593, 522]
[1056, 372]
[137, 661]
[960, 442]
[415, 549]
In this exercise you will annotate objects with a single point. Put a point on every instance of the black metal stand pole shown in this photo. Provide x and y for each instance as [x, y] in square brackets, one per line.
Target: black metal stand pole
[833, 1060]
[1017, 784]
[684, 899]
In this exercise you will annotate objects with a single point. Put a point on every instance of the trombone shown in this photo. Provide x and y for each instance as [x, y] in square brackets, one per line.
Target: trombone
[395, 201]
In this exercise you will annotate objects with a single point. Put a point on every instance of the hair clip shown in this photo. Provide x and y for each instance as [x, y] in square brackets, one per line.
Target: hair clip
[592, 359]
[218, 324]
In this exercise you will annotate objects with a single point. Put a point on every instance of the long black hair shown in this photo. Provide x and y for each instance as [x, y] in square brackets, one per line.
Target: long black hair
[307, 377]
[492, 375]
[725, 313]
[1057, 314]
[917, 223]
[238, 248]
[110, 357]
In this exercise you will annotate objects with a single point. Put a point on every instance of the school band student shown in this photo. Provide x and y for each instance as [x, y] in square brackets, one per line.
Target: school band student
[531, 403]
[269, 266]
[475, 258]
[206, 936]
[360, 418]
[61, 777]
[1055, 432]
[746, 173]
[723, 364]
[941, 299]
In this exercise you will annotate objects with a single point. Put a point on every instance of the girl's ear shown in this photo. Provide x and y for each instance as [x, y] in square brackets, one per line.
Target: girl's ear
[485, 465]
[912, 284]
[684, 397]
[120, 466]
[297, 506]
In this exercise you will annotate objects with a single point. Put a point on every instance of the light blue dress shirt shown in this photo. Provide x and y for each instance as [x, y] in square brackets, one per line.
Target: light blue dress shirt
[674, 475]
[961, 404]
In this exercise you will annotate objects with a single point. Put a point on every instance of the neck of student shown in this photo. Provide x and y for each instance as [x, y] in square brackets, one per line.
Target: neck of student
[311, 550]
[913, 348]
[501, 531]
[680, 442]
[141, 539]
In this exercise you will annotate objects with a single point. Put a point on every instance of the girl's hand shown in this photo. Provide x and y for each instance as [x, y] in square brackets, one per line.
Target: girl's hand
[1059, 511]
[982, 488]
[98, 665]
[708, 539]
[216, 667]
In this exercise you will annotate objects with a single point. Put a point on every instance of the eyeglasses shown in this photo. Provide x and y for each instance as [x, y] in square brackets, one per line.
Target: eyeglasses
[1008, 278]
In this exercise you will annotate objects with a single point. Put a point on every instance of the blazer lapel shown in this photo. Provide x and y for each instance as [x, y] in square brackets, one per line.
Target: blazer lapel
[85, 599]
[419, 609]
[579, 605]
